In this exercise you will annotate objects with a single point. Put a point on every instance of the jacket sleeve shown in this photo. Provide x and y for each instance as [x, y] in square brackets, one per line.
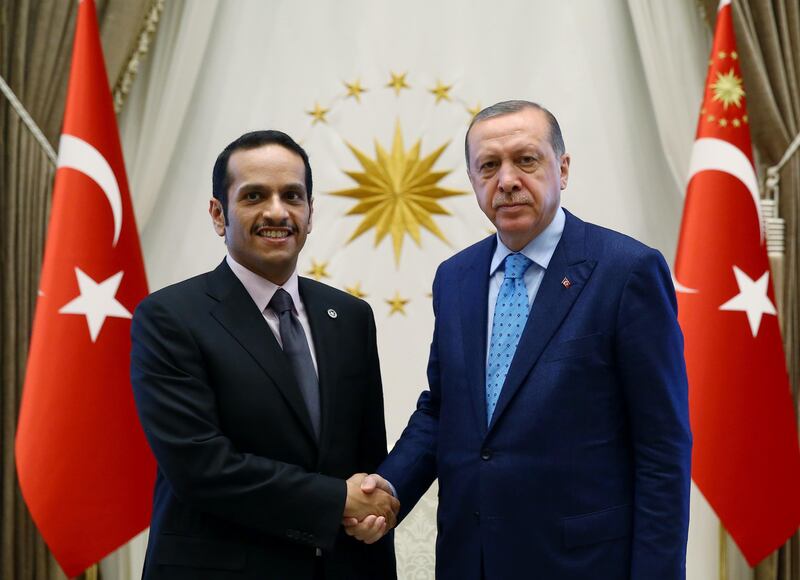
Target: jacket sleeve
[649, 349]
[177, 409]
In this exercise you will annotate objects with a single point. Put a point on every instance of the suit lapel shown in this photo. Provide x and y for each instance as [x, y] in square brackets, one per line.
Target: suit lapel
[323, 331]
[553, 301]
[474, 310]
[238, 314]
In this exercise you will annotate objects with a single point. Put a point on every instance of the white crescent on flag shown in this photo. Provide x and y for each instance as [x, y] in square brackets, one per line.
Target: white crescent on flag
[77, 154]
[719, 155]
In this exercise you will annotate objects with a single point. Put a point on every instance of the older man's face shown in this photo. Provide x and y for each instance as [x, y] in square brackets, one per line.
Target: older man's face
[516, 175]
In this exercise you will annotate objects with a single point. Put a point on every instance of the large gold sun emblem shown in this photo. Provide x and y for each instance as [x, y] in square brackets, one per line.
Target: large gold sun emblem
[728, 89]
[397, 192]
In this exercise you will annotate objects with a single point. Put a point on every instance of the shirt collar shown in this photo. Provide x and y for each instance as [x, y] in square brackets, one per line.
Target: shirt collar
[260, 289]
[539, 250]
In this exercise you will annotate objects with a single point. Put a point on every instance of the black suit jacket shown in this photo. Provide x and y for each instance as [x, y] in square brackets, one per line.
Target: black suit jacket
[243, 489]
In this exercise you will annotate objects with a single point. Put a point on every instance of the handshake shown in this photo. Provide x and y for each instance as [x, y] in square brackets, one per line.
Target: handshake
[371, 509]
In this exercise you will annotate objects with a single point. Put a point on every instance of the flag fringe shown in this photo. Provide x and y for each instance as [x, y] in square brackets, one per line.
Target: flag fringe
[148, 30]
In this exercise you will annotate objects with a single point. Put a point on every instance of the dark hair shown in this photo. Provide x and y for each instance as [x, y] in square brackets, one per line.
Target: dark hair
[221, 179]
[508, 107]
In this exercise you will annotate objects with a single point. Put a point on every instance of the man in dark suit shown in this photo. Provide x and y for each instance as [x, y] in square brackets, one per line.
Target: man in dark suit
[556, 417]
[260, 393]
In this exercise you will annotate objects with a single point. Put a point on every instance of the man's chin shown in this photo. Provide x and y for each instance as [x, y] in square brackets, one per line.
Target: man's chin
[275, 265]
[515, 227]
[516, 235]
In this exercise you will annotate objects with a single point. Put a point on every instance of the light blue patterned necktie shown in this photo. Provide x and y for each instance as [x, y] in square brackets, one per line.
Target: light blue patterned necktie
[510, 316]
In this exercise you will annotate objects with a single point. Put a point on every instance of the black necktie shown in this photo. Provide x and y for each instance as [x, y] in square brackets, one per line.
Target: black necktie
[295, 345]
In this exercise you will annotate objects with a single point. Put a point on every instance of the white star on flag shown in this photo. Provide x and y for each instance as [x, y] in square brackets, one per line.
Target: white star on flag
[752, 298]
[96, 301]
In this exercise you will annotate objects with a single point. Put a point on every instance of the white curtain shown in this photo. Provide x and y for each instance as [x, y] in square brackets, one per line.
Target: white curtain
[673, 44]
[160, 98]
[219, 70]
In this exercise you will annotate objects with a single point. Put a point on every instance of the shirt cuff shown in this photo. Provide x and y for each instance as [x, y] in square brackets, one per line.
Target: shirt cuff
[389, 483]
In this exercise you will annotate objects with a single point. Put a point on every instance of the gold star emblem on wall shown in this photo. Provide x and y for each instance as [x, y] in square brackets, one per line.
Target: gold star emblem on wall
[318, 114]
[398, 82]
[397, 304]
[355, 89]
[355, 290]
[397, 192]
[441, 91]
[474, 110]
[728, 89]
[318, 270]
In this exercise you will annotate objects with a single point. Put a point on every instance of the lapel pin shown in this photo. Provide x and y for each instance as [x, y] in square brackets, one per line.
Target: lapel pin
[566, 283]
[332, 313]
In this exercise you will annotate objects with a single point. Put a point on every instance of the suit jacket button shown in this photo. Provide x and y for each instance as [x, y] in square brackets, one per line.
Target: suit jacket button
[477, 515]
[486, 454]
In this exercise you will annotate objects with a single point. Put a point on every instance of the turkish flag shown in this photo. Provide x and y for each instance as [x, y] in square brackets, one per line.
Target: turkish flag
[84, 467]
[746, 460]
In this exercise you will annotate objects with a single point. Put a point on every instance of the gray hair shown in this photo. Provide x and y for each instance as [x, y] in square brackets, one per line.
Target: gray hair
[508, 107]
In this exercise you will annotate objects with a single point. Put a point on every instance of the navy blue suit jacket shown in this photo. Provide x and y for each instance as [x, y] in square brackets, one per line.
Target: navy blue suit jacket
[584, 470]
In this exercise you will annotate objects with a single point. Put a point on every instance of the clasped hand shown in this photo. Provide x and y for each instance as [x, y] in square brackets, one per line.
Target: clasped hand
[370, 509]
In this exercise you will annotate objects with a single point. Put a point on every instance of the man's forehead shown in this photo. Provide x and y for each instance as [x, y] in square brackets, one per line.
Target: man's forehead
[505, 136]
[265, 160]
[526, 120]
[266, 167]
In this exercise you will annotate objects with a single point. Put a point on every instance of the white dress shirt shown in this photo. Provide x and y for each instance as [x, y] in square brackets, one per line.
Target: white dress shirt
[539, 250]
[261, 291]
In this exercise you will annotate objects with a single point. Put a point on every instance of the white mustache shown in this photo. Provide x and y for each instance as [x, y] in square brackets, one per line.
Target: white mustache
[513, 198]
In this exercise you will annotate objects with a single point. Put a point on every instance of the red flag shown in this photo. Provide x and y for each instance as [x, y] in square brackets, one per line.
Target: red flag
[746, 459]
[84, 466]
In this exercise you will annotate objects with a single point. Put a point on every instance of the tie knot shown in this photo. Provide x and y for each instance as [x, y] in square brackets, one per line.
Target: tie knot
[516, 264]
[281, 301]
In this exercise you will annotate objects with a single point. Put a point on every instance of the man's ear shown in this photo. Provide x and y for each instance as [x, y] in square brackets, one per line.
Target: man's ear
[564, 166]
[217, 216]
[310, 213]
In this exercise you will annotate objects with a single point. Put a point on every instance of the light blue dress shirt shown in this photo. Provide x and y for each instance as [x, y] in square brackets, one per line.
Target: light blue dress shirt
[539, 250]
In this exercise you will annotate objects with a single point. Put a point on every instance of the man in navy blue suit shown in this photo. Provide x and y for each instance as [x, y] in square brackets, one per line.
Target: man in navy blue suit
[556, 418]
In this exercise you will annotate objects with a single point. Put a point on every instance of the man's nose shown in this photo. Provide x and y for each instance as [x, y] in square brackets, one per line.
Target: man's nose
[507, 178]
[274, 209]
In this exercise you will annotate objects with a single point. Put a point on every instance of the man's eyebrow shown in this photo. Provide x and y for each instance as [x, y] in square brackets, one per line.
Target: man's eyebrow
[250, 187]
